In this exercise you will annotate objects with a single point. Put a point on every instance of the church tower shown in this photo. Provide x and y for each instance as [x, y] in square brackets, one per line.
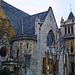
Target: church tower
[68, 34]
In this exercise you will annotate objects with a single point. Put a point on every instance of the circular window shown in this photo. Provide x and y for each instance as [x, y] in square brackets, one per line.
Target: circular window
[3, 51]
[49, 39]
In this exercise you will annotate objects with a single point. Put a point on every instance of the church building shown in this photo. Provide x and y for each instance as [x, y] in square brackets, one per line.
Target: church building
[30, 44]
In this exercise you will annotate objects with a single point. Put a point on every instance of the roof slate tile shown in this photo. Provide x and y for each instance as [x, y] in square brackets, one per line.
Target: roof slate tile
[14, 15]
[29, 22]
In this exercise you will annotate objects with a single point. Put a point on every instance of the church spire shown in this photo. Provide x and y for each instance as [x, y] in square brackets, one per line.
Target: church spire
[71, 16]
[70, 8]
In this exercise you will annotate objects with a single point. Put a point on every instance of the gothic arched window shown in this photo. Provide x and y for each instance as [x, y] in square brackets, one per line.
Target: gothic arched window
[49, 39]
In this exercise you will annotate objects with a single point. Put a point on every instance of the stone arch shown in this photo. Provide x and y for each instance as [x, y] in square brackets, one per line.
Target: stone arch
[50, 38]
[3, 51]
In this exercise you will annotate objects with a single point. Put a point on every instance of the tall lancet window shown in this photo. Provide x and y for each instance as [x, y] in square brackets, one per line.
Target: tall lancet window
[68, 29]
[71, 47]
[65, 30]
[49, 39]
[71, 29]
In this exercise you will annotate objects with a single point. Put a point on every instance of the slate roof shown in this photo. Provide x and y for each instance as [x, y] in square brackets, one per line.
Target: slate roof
[14, 15]
[29, 22]
[71, 16]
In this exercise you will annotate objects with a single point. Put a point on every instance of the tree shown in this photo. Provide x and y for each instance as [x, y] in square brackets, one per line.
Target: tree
[4, 26]
[4, 71]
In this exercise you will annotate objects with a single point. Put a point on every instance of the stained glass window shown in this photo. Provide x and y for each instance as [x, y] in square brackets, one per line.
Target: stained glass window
[49, 39]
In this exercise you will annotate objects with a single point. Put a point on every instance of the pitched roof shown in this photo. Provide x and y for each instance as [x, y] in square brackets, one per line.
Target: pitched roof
[14, 15]
[29, 22]
[71, 16]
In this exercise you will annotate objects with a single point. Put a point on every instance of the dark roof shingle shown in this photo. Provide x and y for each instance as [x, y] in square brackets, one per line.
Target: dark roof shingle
[14, 15]
[29, 23]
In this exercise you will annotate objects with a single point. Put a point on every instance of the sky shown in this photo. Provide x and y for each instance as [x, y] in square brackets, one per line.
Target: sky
[61, 8]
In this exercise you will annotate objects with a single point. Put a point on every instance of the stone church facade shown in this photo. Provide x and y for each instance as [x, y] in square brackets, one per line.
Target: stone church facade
[32, 46]
[35, 45]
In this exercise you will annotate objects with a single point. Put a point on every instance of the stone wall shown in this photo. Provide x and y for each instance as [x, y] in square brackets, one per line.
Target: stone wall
[4, 42]
[36, 48]
[42, 32]
[22, 48]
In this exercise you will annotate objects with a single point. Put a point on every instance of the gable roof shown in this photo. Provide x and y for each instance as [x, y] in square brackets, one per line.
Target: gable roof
[29, 27]
[71, 16]
[29, 22]
[14, 15]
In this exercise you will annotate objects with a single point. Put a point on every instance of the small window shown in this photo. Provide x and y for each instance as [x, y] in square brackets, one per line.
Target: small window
[65, 30]
[72, 67]
[68, 29]
[71, 47]
[27, 45]
[72, 20]
[17, 53]
[71, 29]
[66, 60]
[21, 45]
[3, 51]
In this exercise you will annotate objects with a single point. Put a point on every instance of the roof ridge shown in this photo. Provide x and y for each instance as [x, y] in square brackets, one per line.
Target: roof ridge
[29, 22]
[37, 14]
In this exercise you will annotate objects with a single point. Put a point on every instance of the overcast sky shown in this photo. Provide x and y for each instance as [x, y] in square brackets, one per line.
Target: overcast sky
[61, 8]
